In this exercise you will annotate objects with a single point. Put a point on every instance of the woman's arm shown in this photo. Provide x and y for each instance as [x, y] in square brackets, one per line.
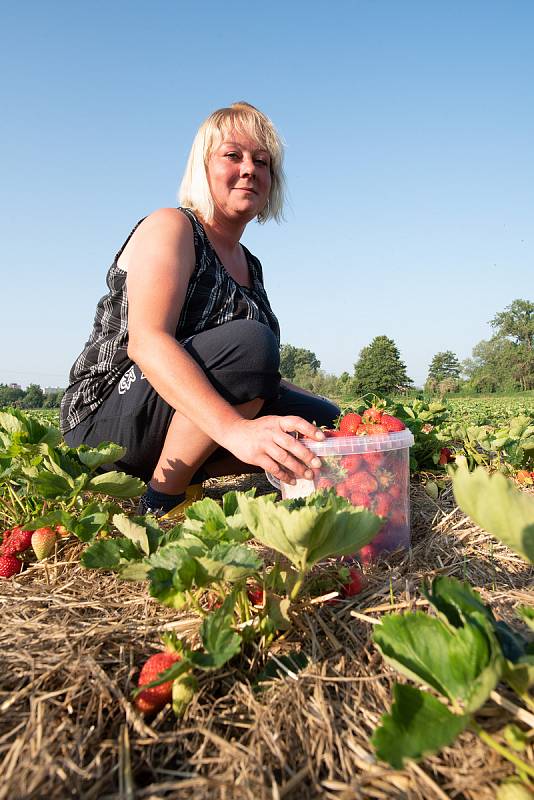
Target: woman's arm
[160, 263]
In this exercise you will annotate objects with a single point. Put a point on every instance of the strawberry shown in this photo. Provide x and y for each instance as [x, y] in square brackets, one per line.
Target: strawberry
[356, 582]
[344, 489]
[9, 566]
[17, 542]
[359, 498]
[372, 415]
[373, 428]
[333, 434]
[43, 542]
[445, 455]
[392, 423]
[351, 463]
[525, 477]
[372, 460]
[382, 505]
[255, 595]
[395, 492]
[151, 700]
[324, 483]
[350, 424]
[365, 482]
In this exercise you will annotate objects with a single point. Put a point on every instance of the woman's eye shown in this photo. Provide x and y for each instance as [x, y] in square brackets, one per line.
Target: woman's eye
[261, 161]
[232, 155]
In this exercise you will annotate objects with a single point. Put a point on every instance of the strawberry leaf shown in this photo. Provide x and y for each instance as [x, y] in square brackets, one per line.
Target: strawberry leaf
[463, 664]
[220, 642]
[498, 507]
[325, 525]
[116, 484]
[104, 453]
[417, 725]
[230, 562]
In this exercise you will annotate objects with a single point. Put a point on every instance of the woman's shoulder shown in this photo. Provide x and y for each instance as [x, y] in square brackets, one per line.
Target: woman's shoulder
[170, 227]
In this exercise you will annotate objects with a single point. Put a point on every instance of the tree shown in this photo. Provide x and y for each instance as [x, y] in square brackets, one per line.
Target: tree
[379, 368]
[444, 365]
[34, 397]
[516, 325]
[9, 395]
[297, 359]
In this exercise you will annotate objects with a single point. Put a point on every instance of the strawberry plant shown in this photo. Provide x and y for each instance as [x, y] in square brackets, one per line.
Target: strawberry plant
[464, 652]
[46, 484]
[207, 556]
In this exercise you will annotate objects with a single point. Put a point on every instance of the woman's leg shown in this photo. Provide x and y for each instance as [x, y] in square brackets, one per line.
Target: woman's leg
[241, 360]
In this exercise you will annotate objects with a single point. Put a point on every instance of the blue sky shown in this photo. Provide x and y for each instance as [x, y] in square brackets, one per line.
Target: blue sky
[409, 128]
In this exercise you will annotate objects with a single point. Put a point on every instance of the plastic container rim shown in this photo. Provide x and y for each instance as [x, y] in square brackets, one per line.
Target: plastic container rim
[347, 445]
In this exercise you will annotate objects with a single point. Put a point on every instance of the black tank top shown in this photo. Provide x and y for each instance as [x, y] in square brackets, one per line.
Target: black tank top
[213, 297]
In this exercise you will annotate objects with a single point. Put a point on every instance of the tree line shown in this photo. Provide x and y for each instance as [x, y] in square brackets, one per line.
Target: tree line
[32, 397]
[505, 362]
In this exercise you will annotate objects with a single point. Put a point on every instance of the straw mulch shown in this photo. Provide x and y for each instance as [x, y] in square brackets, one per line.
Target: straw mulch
[72, 641]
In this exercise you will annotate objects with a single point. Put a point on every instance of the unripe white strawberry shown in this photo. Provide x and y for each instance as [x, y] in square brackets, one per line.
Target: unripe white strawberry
[43, 542]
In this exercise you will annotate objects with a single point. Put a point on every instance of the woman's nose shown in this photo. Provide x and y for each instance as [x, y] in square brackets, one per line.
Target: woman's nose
[247, 166]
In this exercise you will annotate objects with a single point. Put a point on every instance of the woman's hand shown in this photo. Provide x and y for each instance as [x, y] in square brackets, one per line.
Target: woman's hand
[267, 443]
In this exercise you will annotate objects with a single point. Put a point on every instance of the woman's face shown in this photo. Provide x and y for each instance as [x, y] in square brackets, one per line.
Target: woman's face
[239, 176]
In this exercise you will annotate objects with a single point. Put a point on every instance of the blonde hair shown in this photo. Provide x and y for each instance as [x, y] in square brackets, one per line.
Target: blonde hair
[248, 121]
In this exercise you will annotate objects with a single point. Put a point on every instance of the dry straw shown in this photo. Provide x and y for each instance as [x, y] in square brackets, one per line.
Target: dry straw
[72, 642]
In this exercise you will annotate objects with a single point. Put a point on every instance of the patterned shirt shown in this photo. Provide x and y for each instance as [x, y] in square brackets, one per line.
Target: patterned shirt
[213, 297]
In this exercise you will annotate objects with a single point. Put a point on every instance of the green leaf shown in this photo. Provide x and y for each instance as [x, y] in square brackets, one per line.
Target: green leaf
[51, 486]
[498, 507]
[219, 640]
[209, 512]
[102, 555]
[133, 531]
[104, 453]
[325, 526]
[513, 789]
[520, 674]
[527, 615]
[463, 664]
[10, 423]
[280, 666]
[116, 484]
[417, 725]
[230, 562]
[134, 571]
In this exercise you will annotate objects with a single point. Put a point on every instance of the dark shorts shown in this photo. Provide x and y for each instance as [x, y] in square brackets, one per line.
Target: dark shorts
[241, 360]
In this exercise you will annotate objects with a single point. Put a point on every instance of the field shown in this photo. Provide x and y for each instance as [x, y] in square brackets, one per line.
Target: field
[73, 640]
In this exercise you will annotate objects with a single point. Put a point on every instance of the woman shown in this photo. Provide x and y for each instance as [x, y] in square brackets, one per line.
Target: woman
[182, 364]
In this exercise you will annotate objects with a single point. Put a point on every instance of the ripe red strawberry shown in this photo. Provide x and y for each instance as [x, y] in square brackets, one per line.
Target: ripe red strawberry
[255, 595]
[9, 566]
[332, 434]
[372, 414]
[151, 700]
[445, 455]
[344, 489]
[395, 492]
[365, 482]
[392, 423]
[324, 483]
[350, 424]
[359, 498]
[372, 460]
[43, 542]
[382, 505]
[374, 428]
[352, 463]
[355, 584]
[17, 542]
